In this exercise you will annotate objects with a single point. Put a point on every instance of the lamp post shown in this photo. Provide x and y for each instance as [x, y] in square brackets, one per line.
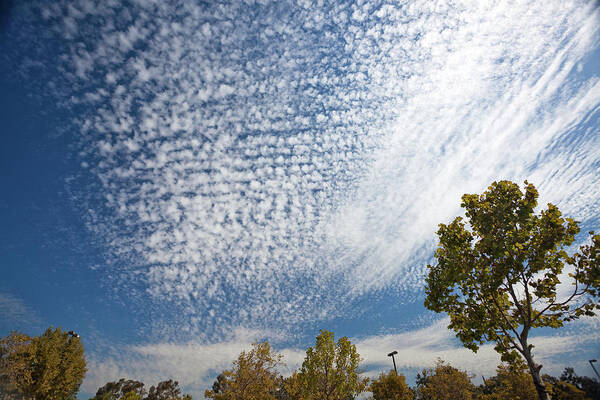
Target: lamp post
[72, 334]
[594, 368]
[393, 359]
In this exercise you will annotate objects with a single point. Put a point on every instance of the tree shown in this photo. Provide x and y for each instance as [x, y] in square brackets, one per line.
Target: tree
[390, 386]
[165, 390]
[590, 386]
[291, 388]
[131, 395]
[15, 358]
[561, 390]
[511, 382]
[120, 390]
[497, 279]
[330, 370]
[254, 376]
[50, 366]
[134, 390]
[444, 382]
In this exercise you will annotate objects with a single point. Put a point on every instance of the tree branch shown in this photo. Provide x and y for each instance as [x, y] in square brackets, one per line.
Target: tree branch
[499, 309]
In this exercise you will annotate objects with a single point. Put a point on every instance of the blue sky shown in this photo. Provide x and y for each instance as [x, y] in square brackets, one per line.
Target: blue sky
[181, 180]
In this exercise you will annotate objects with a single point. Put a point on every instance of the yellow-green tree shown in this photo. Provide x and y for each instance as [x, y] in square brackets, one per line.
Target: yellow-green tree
[291, 388]
[390, 386]
[330, 370]
[131, 395]
[511, 382]
[561, 390]
[444, 382]
[48, 367]
[591, 387]
[15, 358]
[497, 278]
[253, 376]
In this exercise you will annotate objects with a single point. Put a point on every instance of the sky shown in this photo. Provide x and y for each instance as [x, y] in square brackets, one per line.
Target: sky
[181, 179]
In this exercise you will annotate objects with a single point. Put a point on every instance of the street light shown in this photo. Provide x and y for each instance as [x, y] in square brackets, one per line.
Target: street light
[594, 368]
[393, 359]
[72, 334]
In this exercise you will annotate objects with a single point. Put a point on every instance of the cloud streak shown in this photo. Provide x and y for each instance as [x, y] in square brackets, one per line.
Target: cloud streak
[196, 365]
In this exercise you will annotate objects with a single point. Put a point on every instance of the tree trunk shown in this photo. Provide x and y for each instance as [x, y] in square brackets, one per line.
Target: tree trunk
[534, 369]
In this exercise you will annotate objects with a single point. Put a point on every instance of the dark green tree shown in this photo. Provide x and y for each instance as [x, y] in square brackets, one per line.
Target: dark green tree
[127, 389]
[497, 278]
[118, 390]
[165, 390]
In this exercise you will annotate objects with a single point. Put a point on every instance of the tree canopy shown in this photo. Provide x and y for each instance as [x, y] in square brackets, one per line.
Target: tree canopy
[128, 389]
[390, 386]
[444, 382]
[254, 376]
[50, 366]
[497, 277]
[330, 370]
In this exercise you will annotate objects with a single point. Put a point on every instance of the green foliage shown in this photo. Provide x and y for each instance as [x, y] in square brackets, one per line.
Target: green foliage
[291, 388]
[330, 370]
[444, 382]
[253, 376]
[127, 389]
[165, 390]
[50, 366]
[497, 277]
[511, 382]
[118, 390]
[561, 390]
[132, 396]
[16, 356]
[390, 386]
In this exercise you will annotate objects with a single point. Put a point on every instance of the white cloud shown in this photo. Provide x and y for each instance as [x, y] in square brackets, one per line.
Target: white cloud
[279, 164]
[421, 348]
[195, 365]
[15, 314]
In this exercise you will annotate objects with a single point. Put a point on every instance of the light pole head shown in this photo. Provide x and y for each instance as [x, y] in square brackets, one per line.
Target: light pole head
[593, 361]
[392, 353]
[73, 334]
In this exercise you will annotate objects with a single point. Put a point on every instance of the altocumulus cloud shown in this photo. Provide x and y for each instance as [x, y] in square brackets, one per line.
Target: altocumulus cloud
[266, 164]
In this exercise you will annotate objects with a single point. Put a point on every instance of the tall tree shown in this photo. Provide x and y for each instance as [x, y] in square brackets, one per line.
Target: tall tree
[444, 382]
[497, 278]
[49, 367]
[254, 376]
[390, 386]
[330, 370]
